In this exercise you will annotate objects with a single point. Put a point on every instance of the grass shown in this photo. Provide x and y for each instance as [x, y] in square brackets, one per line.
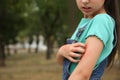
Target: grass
[36, 67]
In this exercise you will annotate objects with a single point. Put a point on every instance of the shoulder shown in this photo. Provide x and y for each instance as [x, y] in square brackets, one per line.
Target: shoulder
[101, 26]
[103, 21]
[103, 18]
[104, 15]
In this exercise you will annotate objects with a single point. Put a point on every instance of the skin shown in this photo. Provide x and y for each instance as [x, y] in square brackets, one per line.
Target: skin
[89, 8]
[68, 51]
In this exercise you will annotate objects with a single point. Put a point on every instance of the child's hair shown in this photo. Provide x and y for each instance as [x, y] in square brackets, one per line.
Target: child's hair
[112, 8]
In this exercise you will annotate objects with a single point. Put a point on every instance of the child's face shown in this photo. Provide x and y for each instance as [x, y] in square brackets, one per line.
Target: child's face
[91, 7]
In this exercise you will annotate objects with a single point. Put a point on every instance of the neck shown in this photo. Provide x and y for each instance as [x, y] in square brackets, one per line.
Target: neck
[102, 11]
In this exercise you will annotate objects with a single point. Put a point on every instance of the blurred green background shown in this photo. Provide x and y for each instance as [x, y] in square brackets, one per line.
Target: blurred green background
[31, 32]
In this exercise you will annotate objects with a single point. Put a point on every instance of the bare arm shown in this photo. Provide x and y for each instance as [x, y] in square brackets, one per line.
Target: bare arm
[85, 67]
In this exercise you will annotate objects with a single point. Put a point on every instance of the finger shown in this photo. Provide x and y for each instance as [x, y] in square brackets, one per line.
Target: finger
[78, 44]
[74, 55]
[78, 49]
[73, 60]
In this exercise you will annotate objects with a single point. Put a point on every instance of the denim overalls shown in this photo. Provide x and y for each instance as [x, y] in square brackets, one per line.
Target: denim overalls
[97, 73]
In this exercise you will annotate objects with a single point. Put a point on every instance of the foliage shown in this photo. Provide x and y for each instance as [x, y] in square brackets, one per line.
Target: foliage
[52, 14]
[12, 19]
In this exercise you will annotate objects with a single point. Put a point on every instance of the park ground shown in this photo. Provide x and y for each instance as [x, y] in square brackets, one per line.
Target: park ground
[36, 67]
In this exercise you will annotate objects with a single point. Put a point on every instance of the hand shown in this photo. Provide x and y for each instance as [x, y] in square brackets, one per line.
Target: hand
[69, 51]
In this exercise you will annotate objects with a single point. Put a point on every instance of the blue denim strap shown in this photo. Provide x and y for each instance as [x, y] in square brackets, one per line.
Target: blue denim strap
[79, 32]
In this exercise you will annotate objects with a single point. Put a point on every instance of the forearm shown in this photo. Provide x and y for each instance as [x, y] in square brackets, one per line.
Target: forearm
[81, 72]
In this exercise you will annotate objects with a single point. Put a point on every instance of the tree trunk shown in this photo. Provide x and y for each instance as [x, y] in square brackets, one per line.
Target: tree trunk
[49, 49]
[15, 50]
[29, 49]
[37, 43]
[30, 42]
[7, 50]
[36, 49]
[2, 53]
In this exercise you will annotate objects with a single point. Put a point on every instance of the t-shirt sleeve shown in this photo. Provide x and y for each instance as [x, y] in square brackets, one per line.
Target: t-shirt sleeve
[100, 28]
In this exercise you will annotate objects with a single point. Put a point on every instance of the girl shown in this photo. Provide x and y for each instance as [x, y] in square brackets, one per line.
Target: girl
[96, 41]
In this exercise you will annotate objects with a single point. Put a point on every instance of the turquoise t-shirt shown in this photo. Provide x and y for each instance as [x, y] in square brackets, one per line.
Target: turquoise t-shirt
[101, 26]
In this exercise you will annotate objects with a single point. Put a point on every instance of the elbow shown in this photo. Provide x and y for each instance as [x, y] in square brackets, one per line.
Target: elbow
[79, 76]
[84, 74]
[59, 60]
